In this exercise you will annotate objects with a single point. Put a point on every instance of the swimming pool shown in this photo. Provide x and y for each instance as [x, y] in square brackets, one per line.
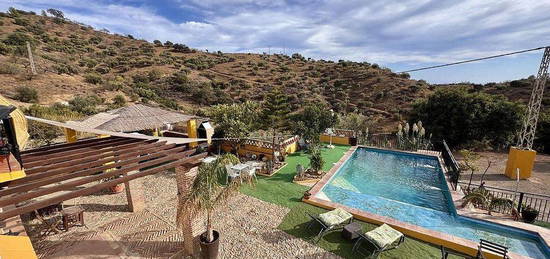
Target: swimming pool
[412, 188]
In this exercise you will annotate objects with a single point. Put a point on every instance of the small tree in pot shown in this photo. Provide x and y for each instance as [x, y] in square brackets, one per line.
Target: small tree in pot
[207, 193]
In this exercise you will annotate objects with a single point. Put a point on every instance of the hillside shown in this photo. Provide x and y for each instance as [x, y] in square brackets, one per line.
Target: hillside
[74, 59]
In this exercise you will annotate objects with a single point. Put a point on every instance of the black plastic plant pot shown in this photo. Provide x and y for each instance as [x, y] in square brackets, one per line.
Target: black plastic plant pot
[209, 250]
[529, 216]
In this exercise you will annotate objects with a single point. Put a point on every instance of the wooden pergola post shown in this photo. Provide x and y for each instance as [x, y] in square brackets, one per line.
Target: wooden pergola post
[134, 194]
[190, 224]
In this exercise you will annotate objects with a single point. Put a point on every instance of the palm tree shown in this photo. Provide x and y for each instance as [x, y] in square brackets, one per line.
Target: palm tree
[208, 191]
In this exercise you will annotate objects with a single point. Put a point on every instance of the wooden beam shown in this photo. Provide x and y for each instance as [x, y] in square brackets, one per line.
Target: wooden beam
[54, 179]
[54, 146]
[100, 154]
[135, 166]
[68, 146]
[117, 155]
[92, 189]
[80, 149]
[83, 154]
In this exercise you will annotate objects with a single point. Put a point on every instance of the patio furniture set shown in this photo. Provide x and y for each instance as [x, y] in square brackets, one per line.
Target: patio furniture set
[239, 171]
[384, 237]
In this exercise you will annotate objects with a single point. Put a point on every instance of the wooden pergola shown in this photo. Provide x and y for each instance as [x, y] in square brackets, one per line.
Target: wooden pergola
[62, 172]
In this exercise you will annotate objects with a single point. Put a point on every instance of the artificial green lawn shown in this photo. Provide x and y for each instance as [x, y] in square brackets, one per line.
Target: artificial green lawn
[542, 224]
[279, 189]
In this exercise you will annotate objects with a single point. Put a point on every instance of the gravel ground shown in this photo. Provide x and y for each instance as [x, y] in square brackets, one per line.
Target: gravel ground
[537, 183]
[248, 228]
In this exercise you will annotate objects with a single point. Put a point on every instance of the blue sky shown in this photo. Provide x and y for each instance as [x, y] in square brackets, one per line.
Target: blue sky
[400, 34]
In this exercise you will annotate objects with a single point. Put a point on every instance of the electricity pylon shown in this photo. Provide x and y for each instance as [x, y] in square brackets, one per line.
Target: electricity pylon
[527, 134]
[522, 157]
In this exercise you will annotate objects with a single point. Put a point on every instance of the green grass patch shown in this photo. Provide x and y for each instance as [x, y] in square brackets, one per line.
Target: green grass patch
[279, 188]
[296, 221]
[542, 224]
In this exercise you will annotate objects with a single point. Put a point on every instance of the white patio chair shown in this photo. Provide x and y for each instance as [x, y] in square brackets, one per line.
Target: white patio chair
[251, 173]
[232, 173]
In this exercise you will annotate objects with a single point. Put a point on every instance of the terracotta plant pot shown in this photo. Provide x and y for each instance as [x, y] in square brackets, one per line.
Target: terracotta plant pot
[209, 250]
[117, 188]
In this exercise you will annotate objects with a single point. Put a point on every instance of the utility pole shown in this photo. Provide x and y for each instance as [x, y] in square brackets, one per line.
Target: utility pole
[31, 60]
[522, 157]
[527, 134]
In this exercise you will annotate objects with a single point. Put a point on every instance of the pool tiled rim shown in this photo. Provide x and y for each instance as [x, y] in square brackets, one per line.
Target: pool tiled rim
[434, 237]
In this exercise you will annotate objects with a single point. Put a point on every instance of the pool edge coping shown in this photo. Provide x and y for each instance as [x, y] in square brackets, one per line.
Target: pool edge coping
[430, 236]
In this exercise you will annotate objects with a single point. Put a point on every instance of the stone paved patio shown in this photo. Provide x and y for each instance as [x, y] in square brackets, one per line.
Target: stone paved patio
[248, 228]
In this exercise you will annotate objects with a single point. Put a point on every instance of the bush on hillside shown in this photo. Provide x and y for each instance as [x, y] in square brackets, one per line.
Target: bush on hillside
[9, 69]
[85, 104]
[93, 78]
[26, 94]
[542, 139]
[462, 118]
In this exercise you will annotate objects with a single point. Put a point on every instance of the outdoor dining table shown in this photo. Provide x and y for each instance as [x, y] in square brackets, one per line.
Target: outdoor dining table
[239, 167]
[209, 159]
[255, 164]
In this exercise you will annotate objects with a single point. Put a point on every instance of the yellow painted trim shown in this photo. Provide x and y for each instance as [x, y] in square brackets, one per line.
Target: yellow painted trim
[522, 160]
[192, 132]
[13, 175]
[70, 135]
[16, 247]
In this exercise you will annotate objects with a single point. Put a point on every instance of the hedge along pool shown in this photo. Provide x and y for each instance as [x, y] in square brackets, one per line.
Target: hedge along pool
[412, 188]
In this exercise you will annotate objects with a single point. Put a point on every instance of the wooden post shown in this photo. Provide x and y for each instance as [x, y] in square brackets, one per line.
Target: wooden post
[134, 194]
[191, 225]
[31, 60]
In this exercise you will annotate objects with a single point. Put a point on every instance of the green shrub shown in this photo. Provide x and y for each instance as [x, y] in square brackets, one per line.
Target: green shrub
[5, 49]
[315, 159]
[63, 68]
[18, 39]
[119, 101]
[93, 78]
[21, 21]
[9, 69]
[26, 94]
[461, 117]
[85, 105]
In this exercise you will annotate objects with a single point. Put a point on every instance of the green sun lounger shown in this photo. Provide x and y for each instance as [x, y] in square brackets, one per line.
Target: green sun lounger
[383, 238]
[330, 221]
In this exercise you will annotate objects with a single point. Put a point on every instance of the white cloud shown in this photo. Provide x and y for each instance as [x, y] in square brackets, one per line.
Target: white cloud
[387, 32]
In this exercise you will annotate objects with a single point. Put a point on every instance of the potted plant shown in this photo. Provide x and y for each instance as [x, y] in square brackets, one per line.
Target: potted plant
[529, 214]
[206, 193]
[115, 188]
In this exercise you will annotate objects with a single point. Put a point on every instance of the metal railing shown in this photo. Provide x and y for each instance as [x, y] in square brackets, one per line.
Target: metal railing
[539, 202]
[453, 168]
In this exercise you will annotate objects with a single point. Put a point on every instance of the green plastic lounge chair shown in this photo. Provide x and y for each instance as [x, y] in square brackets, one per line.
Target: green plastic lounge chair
[383, 238]
[330, 221]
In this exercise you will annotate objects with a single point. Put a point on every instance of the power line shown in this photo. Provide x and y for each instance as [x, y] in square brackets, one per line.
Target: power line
[472, 60]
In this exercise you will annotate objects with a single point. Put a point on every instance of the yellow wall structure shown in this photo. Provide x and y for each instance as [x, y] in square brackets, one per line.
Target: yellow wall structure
[16, 247]
[19, 124]
[335, 139]
[267, 152]
[522, 160]
[70, 135]
[192, 132]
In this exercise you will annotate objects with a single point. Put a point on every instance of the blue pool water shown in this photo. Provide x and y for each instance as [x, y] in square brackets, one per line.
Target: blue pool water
[411, 188]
